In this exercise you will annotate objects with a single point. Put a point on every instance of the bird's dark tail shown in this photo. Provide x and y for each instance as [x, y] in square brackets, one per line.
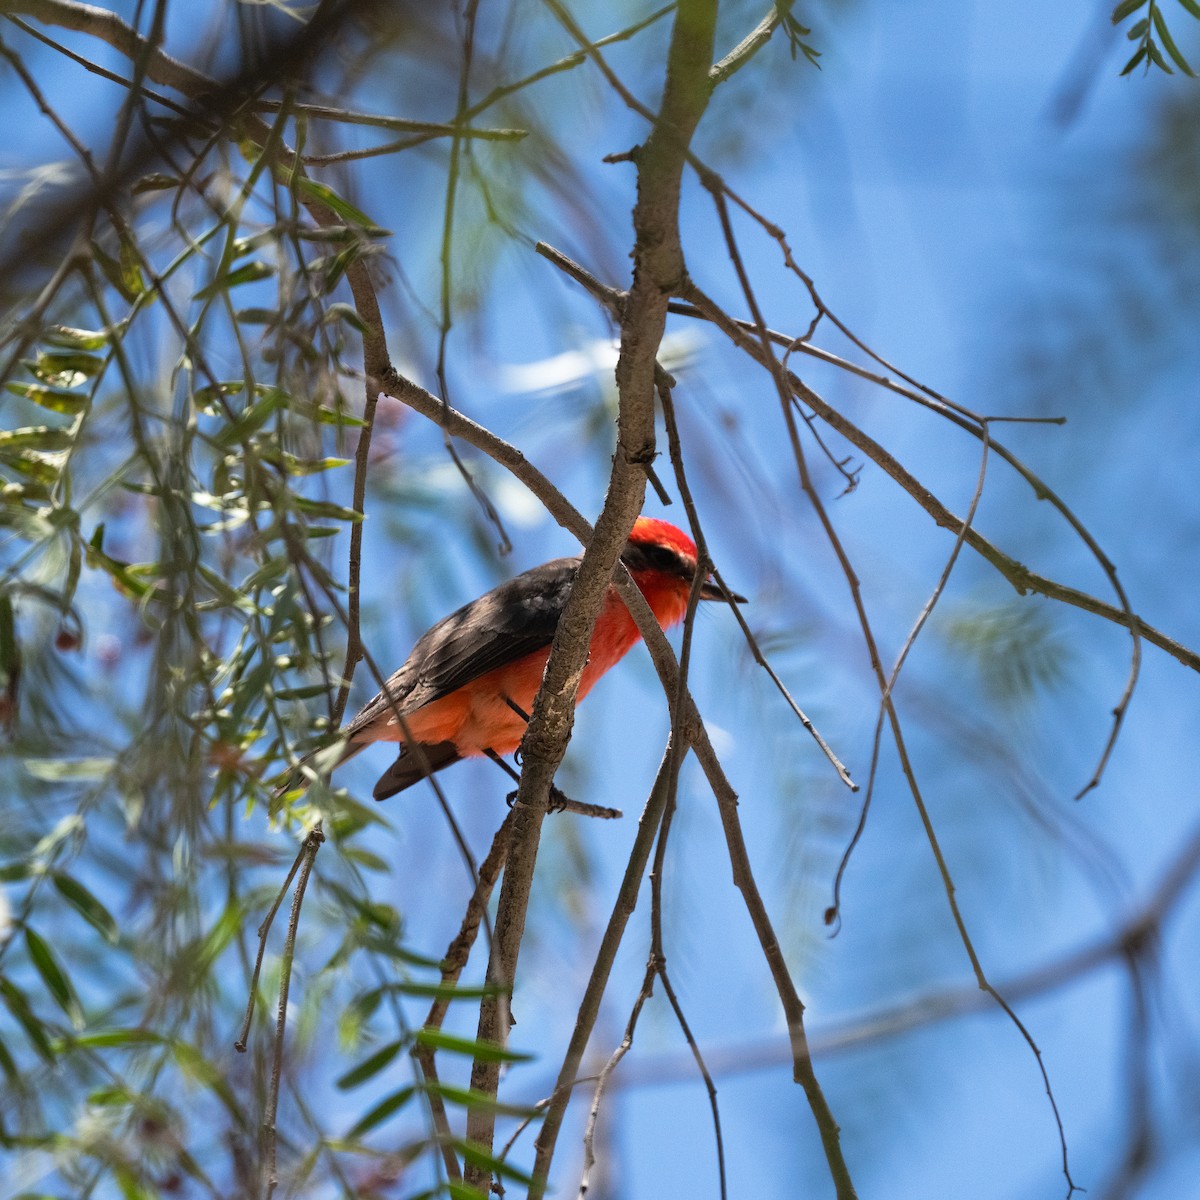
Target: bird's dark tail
[409, 769]
[296, 778]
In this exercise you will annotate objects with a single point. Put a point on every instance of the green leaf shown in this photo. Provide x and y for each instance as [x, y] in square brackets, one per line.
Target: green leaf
[16, 1003]
[7, 1063]
[1137, 29]
[344, 209]
[446, 991]
[477, 1156]
[1169, 43]
[253, 417]
[87, 906]
[370, 1066]
[257, 316]
[54, 770]
[123, 574]
[326, 509]
[1134, 61]
[54, 399]
[380, 1113]
[483, 1051]
[206, 398]
[1125, 8]
[1156, 57]
[102, 1039]
[50, 365]
[154, 182]
[472, 1098]
[217, 938]
[77, 339]
[463, 1191]
[335, 416]
[1192, 6]
[356, 854]
[346, 313]
[36, 437]
[56, 981]
[251, 272]
[124, 273]
[311, 466]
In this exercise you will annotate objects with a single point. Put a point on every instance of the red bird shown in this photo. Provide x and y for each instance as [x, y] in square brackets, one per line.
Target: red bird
[468, 686]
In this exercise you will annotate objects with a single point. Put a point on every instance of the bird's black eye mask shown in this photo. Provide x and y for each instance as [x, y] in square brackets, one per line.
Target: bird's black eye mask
[639, 557]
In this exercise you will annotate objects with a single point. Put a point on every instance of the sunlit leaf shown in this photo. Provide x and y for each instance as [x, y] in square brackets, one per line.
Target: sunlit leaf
[55, 770]
[326, 510]
[36, 437]
[311, 466]
[251, 272]
[52, 398]
[76, 339]
[324, 194]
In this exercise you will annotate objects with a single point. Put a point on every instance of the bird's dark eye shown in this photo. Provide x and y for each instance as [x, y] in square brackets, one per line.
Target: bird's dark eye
[658, 558]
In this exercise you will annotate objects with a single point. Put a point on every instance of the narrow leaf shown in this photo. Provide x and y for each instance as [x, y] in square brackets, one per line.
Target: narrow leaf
[16, 1003]
[103, 1038]
[326, 195]
[477, 1156]
[76, 339]
[483, 1051]
[370, 1066]
[36, 437]
[1125, 8]
[52, 974]
[87, 906]
[1134, 61]
[52, 770]
[380, 1113]
[472, 1098]
[250, 272]
[54, 399]
[1169, 42]
[1156, 57]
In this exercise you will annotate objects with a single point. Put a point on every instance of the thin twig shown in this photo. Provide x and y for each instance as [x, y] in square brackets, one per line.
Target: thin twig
[312, 843]
[833, 912]
[263, 930]
[457, 954]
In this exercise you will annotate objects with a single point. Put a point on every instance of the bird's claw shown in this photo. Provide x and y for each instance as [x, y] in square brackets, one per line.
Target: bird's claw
[558, 800]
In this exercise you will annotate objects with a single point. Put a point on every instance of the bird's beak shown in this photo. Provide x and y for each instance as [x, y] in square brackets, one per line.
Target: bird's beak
[710, 591]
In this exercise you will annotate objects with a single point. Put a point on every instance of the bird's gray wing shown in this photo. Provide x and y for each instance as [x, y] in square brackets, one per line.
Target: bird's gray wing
[507, 623]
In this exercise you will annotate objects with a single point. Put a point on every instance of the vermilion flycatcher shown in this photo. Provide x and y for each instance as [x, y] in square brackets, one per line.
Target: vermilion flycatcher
[468, 686]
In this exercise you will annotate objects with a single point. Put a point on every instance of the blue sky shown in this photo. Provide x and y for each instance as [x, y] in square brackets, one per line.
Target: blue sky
[1019, 265]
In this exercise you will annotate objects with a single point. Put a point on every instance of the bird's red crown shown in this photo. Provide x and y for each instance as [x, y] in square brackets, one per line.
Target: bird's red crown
[650, 531]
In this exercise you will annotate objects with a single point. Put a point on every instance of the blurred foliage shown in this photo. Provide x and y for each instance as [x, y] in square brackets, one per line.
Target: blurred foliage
[1017, 649]
[1152, 35]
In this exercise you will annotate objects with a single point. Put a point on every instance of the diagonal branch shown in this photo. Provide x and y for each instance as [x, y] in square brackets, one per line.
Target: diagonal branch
[658, 268]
